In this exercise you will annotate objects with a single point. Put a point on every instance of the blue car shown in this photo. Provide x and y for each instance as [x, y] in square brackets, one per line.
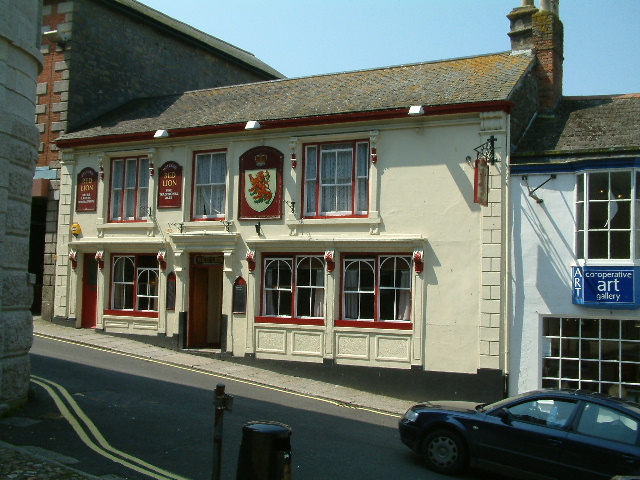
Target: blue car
[545, 434]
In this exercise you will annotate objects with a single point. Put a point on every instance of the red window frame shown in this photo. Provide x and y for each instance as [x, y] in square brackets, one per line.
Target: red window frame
[141, 203]
[292, 318]
[132, 311]
[313, 181]
[376, 291]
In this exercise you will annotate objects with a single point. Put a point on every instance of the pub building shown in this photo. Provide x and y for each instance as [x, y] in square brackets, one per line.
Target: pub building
[371, 218]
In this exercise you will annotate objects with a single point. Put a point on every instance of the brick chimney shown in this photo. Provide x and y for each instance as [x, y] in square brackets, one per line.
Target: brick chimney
[541, 31]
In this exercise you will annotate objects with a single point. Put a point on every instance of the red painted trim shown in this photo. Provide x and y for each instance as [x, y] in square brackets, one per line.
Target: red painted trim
[290, 320]
[124, 161]
[318, 191]
[501, 105]
[367, 324]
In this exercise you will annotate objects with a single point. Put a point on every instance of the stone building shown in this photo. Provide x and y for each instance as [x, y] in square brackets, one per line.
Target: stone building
[100, 54]
[20, 63]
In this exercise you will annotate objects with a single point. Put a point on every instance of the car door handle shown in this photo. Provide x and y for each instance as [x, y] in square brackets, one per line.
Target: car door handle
[554, 442]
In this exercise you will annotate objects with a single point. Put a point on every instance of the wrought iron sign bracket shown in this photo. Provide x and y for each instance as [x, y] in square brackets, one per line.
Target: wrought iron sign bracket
[487, 150]
[532, 193]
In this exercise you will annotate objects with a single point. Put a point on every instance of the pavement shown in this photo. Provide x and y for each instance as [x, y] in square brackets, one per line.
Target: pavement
[19, 463]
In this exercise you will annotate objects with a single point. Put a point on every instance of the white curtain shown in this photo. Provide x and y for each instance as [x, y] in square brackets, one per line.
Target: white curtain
[318, 297]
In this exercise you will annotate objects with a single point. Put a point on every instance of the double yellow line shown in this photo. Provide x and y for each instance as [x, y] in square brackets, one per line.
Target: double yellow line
[92, 437]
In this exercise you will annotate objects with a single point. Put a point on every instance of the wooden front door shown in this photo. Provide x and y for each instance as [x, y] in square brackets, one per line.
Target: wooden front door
[89, 291]
[206, 307]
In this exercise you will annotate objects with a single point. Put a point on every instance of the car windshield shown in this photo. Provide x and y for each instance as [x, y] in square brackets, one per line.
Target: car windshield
[486, 407]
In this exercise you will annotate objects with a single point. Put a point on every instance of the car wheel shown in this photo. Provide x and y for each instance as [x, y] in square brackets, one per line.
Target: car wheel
[445, 452]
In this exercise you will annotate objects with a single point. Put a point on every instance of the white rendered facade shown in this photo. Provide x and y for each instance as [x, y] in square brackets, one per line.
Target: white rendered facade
[597, 348]
[419, 209]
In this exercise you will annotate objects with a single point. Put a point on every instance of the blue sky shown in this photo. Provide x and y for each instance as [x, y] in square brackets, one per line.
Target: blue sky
[309, 37]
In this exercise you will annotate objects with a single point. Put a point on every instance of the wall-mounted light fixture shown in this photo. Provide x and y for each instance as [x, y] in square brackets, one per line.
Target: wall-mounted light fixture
[418, 260]
[162, 259]
[99, 259]
[416, 110]
[252, 125]
[227, 225]
[73, 257]
[293, 143]
[291, 205]
[329, 256]
[56, 37]
[161, 134]
[258, 228]
[251, 260]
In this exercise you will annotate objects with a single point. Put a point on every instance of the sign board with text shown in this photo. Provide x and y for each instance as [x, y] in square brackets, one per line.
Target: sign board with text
[170, 185]
[87, 190]
[606, 287]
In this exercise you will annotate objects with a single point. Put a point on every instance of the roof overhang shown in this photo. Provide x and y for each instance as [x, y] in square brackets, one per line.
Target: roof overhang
[352, 117]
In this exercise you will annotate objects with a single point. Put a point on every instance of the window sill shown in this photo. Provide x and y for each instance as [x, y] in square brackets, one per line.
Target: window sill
[130, 313]
[373, 221]
[144, 227]
[389, 325]
[290, 320]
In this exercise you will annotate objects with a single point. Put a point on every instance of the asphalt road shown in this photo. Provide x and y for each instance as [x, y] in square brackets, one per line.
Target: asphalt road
[134, 419]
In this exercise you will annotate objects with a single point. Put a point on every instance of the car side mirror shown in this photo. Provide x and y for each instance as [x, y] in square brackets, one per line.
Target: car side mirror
[504, 415]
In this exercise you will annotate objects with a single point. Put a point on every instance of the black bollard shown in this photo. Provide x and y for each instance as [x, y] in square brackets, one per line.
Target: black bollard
[265, 452]
[222, 402]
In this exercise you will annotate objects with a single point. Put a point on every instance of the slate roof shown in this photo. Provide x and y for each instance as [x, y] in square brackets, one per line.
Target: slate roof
[583, 125]
[485, 78]
[209, 40]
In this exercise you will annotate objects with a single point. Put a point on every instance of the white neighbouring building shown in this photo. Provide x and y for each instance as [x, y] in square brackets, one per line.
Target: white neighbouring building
[351, 219]
[575, 192]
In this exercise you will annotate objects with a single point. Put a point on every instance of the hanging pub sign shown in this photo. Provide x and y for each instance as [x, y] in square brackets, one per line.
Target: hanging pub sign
[87, 190]
[170, 185]
[481, 182]
[260, 184]
[606, 287]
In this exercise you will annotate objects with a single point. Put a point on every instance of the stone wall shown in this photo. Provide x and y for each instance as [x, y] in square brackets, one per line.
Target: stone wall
[20, 62]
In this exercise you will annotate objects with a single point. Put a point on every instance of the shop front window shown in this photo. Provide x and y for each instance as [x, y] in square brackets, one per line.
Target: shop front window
[376, 289]
[134, 285]
[293, 288]
[601, 355]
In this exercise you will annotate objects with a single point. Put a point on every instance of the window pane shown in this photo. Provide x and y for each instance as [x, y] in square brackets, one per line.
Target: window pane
[620, 245]
[598, 186]
[310, 163]
[598, 245]
[143, 175]
[598, 215]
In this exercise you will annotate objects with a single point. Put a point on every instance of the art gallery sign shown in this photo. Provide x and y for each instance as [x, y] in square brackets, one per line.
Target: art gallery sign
[606, 287]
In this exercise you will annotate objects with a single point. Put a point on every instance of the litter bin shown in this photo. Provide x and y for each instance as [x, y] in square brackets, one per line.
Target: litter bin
[265, 452]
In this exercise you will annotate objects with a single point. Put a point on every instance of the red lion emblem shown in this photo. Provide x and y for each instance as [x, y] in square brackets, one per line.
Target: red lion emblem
[260, 191]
